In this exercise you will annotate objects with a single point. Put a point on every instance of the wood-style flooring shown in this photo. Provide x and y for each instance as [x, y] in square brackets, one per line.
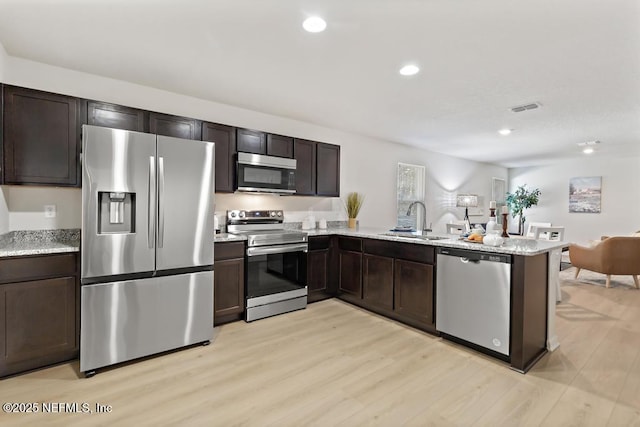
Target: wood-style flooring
[334, 364]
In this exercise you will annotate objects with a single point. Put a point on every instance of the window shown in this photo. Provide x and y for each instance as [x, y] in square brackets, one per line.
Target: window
[410, 189]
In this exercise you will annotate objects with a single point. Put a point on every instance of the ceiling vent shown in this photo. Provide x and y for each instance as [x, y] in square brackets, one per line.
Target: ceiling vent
[588, 143]
[522, 108]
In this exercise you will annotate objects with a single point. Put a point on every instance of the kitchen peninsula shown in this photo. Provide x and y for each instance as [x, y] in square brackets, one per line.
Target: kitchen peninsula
[355, 263]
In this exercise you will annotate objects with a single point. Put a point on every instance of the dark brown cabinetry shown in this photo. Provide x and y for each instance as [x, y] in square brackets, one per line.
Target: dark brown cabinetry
[397, 279]
[175, 126]
[320, 282]
[305, 154]
[251, 141]
[318, 168]
[39, 306]
[280, 146]
[225, 139]
[350, 268]
[116, 116]
[377, 281]
[328, 170]
[41, 138]
[229, 296]
[413, 291]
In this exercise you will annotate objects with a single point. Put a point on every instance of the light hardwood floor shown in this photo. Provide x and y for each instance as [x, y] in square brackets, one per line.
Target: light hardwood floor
[334, 364]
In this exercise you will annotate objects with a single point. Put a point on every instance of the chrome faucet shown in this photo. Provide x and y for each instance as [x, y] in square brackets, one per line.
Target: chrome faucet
[424, 230]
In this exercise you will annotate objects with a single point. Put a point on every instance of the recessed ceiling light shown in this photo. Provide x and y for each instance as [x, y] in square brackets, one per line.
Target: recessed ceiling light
[504, 131]
[588, 150]
[409, 70]
[314, 24]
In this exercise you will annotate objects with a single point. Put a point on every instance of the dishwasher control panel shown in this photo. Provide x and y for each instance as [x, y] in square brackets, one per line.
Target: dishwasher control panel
[476, 255]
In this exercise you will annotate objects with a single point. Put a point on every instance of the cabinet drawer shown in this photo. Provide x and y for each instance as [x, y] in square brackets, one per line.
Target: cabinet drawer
[408, 251]
[228, 250]
[18, 269]
[350, 244]
[318, 243]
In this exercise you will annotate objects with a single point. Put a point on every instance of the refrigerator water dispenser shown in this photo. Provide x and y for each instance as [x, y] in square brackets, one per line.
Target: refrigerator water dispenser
[116, 212]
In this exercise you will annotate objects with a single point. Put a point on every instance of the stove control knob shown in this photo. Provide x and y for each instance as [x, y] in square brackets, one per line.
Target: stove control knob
[273, 213]
[279, 213]
[241, 215]
[233, 214]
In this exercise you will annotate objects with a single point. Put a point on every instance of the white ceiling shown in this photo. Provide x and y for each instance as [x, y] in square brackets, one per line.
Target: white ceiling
[579, 58]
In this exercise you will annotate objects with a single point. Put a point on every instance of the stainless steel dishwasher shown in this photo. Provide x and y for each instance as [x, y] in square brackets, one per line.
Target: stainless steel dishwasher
[473, 294]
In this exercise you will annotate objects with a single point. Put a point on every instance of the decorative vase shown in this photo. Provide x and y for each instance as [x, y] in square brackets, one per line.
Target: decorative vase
[492, 224]
[353, 222]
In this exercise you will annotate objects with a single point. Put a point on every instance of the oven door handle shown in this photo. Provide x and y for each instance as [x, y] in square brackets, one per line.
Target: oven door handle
[280, 249]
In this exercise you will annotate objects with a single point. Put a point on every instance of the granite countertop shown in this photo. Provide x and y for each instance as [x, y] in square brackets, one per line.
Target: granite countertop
[39, 242]
[226, 237]
[512, 246]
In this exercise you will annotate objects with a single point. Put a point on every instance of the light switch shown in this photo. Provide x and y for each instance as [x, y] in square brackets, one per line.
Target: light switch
[49, 211]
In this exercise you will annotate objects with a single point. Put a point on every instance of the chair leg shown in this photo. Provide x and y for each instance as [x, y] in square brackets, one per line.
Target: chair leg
[635, 281]
[577, 272]
[608, 280]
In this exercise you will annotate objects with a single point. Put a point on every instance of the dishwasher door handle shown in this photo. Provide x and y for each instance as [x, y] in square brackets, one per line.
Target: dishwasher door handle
[466, 260]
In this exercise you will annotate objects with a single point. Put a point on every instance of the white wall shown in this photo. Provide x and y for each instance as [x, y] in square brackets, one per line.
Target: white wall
[4, 210]
[367, 165]
[620, 205]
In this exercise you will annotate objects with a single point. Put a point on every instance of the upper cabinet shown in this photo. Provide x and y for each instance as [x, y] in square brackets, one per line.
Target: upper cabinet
[318, 168]
[41, 138]
[305, 155]
[225, 139]
[257, 142]
[328, 170]
[175, 126]
[251, 141]
[278, 145]
[116, 116]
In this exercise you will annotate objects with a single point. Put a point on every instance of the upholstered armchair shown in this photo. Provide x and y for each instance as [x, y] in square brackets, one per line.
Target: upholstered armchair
[611, 256]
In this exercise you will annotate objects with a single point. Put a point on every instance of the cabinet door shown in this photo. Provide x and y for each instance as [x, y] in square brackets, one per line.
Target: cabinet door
[37, 324]
[328, 170]
[41, 138]
[414, 290]
[225, 139]
[116, 116]
[251, 141]
[377, 281]
[175, 126]
[228, 289]
[317, 263]
[351, 273]
[305, 154]
[280, 146]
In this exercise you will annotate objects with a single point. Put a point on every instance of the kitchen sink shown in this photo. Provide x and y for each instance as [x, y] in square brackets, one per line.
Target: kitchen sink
[413, 236]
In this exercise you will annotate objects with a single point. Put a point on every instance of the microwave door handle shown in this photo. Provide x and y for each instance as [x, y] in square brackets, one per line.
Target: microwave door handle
[151, 202]
[160, 201]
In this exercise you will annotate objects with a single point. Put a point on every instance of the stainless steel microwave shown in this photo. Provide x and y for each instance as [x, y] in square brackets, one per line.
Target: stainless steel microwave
[265, 174]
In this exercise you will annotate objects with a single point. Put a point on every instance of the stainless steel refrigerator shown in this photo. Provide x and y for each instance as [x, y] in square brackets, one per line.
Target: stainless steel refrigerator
[146, 245]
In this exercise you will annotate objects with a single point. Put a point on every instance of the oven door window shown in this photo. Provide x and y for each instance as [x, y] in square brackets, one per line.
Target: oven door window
[258, 177]
[275, 273]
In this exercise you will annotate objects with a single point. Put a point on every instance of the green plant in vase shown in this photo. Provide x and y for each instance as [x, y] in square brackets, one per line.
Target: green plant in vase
[520, 200]
[353, 205]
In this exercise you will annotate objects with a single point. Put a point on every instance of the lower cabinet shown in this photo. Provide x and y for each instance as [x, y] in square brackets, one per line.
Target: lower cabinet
[390, 278]
[350, 268]
[228, 282]
[414, 291]
[39, 311]
[320, 281]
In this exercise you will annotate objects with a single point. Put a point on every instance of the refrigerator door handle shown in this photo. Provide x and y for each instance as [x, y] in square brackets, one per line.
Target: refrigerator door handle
[160, 201]
[151, 202]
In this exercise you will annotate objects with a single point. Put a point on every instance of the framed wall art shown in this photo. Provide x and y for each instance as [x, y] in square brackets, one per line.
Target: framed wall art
[585, 194]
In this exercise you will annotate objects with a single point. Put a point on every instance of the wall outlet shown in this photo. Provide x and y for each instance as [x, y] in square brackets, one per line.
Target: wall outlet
[49, 211]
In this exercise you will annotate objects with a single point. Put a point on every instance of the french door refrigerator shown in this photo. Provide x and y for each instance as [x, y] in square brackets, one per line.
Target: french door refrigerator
[146, 245]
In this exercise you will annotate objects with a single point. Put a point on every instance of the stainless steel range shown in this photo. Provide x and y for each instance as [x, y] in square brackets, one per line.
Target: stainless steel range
[276, 262]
